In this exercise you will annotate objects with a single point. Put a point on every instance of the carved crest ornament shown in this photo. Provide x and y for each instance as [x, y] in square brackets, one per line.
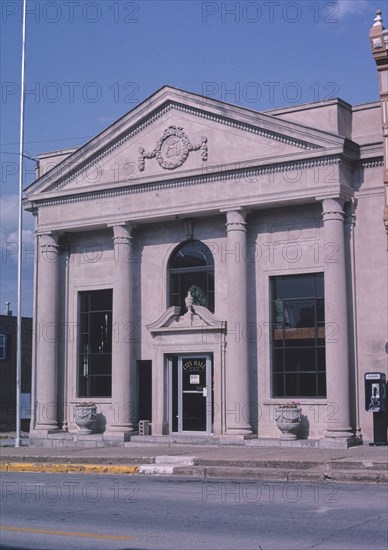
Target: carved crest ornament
[172, 149]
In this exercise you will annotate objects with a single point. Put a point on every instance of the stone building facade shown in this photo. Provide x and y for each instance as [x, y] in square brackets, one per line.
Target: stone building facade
[200, 263]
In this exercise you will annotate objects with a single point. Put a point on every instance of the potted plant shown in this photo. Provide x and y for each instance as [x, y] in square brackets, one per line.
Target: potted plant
[85, 415]
[288, 419]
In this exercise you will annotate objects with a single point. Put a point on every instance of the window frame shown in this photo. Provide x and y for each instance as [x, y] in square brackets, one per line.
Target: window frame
[3, 346]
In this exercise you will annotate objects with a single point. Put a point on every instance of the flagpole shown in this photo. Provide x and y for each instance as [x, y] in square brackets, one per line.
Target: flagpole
[20, 233]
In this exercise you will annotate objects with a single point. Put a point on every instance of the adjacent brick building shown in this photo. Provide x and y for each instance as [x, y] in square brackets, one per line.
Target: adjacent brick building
[8, 337]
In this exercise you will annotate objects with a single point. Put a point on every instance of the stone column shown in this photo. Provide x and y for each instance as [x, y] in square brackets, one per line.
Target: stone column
[237, 370]
[47, 332]
[122, 368]
[336, 319]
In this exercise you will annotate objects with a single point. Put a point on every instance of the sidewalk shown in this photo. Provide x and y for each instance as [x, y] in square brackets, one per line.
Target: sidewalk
[361, 463]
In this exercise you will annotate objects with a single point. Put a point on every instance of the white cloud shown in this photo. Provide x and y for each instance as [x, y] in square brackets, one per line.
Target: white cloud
[8, 254]
[9, 221]
[351, 7]
[28, 237]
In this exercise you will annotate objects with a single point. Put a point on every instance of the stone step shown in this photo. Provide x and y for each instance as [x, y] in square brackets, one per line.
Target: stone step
[359, 465]
[166, 440]
[282, 474]
[175, 459]
[272, 442]
[260, 464]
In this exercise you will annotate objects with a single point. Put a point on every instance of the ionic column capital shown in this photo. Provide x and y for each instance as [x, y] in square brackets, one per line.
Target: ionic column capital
[122, 234]
[49, 247]
[332, 209]
[49, 241]
[235, 220]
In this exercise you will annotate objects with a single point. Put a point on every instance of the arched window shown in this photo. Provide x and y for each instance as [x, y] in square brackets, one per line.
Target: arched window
[191, 268]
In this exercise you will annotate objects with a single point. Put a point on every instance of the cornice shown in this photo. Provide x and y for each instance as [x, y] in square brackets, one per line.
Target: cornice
[245, 173]
[371, 162]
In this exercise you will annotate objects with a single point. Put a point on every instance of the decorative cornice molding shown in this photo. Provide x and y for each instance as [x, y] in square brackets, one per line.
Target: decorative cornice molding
[247, 173]
[371, 163]
[118, 142]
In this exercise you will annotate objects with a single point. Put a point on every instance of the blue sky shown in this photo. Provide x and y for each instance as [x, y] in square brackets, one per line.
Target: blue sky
[89, 62]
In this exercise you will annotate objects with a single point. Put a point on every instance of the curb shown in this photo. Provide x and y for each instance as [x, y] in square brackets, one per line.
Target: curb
[67, 468]
[203, 472]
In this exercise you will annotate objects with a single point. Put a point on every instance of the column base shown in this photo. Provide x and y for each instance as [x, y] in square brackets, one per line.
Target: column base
[160, 428]
[46, 428]
[239, 431]
[117, 429]
[340, 433]
[339, 442]
[38, 432]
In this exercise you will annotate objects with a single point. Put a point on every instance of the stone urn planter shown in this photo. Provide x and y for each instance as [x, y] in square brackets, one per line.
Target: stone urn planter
[288, 419]
[85, 415]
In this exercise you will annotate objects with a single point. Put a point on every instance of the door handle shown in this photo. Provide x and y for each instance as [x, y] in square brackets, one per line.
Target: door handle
[204, 392]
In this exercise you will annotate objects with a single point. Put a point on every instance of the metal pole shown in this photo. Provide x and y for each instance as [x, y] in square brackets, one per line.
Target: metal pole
[20, 234]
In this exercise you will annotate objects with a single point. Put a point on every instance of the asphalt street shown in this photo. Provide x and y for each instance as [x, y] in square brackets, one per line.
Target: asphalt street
[77, 511]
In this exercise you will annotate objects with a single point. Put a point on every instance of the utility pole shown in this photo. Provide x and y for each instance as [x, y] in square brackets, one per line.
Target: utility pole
[20, 233]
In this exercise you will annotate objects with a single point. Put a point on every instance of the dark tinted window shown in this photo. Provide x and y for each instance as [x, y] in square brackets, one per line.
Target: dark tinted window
[95, 344]
[298, 336]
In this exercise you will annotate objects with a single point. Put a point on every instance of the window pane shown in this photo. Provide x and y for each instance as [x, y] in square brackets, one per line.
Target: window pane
[82, 390]
[101, 300]
[277, 360]
[100, 386]
[100, 364]
[174, 283]
[278, 385]
[84, 302]
[308, 385]
[294, 286]
[321, 385]
[320, 290]
[300, 359]
[291, 385]
[321, 359]
[320, 311]
[3, 346]
[191, 254]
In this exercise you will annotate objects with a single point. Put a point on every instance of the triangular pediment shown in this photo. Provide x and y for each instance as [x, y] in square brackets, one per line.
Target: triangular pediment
[195, 318]
[178, 134]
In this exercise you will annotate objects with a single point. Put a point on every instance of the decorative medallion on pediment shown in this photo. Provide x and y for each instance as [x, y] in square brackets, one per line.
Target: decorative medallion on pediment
[172, 149]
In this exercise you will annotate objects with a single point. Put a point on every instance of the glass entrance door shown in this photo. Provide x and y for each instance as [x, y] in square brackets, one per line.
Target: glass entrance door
[192, 394]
